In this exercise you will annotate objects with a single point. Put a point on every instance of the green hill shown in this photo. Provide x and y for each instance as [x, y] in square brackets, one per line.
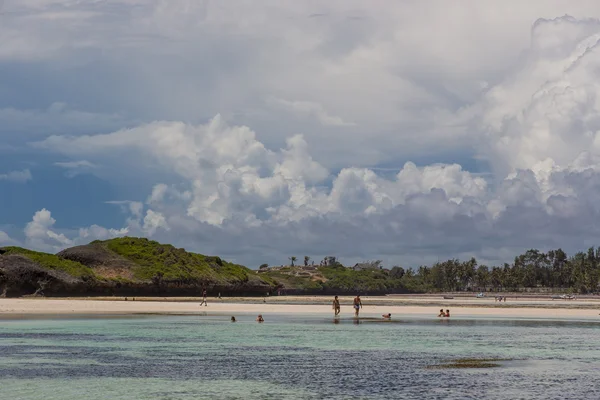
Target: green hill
[125, 266]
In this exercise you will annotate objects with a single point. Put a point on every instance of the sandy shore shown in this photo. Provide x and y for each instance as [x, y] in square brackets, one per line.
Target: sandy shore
[314, 305]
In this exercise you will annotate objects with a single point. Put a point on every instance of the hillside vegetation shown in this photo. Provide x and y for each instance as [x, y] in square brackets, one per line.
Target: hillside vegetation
[128, 266]
[51, 261]
[138, 266]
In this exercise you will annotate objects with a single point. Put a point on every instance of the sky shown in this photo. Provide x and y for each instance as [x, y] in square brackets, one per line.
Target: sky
[406, 131]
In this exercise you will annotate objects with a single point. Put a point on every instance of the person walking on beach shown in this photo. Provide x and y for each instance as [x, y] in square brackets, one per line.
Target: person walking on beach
[357, 305]
[204, 299]
[336, 306]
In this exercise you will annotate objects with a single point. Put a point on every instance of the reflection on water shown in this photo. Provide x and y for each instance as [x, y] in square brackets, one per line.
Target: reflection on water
[295, 357]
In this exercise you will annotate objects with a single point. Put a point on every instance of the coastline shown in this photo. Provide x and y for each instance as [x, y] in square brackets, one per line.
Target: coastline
[374, 306]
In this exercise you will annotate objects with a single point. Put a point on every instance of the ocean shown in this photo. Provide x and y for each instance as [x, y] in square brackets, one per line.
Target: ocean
[296, 357]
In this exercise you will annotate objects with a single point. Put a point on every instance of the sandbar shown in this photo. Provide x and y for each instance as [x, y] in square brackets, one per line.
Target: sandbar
[374, 306]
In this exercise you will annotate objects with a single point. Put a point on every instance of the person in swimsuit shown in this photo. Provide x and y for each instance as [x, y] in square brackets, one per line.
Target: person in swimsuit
[232, 319]
[260, 318]
[387, 316]
[357, 305]
[447, 313]
[336, 306]
[204, 299]
[442, 313]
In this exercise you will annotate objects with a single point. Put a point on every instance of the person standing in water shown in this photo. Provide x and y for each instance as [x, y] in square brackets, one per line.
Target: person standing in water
[336, 306]
[357, 305]
[204, 298]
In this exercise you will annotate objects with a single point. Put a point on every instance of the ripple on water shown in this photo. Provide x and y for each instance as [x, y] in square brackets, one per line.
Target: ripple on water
[187, 357]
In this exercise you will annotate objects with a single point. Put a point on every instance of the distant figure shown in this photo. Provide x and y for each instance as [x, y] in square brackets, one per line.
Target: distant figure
[219, 295]
[442, 313]
[336, 306]
[387, 316]
[125, 298]
[232, 319]
[505, 299]
[264, 300]
[260, 318]
[204, 299]
[357, 305]
[447, 314]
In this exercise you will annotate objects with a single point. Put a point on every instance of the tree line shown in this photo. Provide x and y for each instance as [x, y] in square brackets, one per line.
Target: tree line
[531, 270]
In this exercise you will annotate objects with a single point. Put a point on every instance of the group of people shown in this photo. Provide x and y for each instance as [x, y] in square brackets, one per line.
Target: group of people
[356, 304]
[444, 314]
[258, 319]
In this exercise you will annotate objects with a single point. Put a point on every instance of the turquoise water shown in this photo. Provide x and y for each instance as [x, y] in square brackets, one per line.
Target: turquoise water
[295, 357]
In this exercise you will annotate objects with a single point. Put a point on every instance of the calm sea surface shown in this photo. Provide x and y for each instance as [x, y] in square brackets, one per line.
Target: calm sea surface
[295, 357]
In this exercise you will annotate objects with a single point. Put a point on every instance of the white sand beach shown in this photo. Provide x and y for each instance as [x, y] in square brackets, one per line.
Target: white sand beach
[419, 307]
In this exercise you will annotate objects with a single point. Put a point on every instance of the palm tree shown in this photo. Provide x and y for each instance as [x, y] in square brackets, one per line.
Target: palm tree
[306, 260]
[293, 260]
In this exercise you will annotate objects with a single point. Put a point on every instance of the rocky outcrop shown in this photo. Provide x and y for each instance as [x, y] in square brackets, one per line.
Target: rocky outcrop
[104, 262]
[113, 274]
[20, 276]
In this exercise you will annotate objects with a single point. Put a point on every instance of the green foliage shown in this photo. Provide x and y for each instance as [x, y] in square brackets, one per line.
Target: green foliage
[371, 280]
[163, 262]
[53, 262]
[292, 281]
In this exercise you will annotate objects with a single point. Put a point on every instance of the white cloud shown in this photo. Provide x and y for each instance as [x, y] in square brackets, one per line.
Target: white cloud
[364, 73]
[154, 220]
[6, 240]
[39, 233]
[17, 176]
[135, 208]
[75, 168]
[312, 109]
[96, 232]
[364, 86]
[42, 234]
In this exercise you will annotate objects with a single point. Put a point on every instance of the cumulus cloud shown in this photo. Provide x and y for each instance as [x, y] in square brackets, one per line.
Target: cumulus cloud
[17, 176]
[381, 87]
[39, 233]
[363, 73]
[42, 234]
[6, 240]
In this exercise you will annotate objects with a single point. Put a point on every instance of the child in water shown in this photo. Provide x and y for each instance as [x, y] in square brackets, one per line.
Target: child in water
[260, 318]
[442, 313]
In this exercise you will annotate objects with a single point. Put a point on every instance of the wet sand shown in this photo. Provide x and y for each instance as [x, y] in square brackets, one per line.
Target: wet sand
[417, 306]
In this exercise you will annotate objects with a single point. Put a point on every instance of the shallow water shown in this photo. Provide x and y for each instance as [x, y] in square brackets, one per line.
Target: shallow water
[295, 357]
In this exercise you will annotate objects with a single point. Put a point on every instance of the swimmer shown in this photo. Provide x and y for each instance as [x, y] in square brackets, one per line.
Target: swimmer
[232, 319]
[260, 318]
[387, 316]
[447, 313]
[442, 313]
